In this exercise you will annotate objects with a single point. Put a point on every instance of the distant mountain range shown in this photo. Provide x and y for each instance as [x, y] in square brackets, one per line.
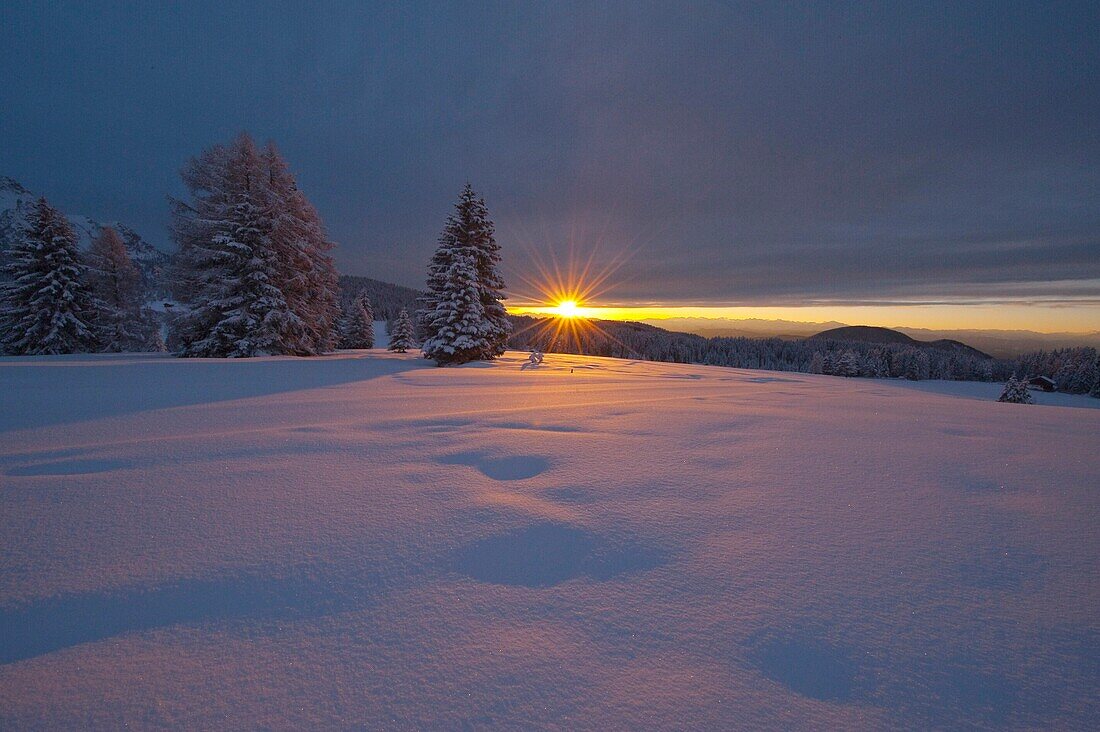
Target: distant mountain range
[15, 205]
[874, 334]
[1009, 343]
[998, 343]
[388, 299]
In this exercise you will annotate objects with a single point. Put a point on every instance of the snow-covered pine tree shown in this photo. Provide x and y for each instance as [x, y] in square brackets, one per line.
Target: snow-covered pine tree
[359, 324]
[479, 227]
[1095, 391]
[252, 273]
[437, 270]
[154, 343]
[45, 308]
[403, 337]
[458, 328]
[917, 365]
[120, 320]
[1088, 372]
[848, 364]
[467, 257]
[1016, 392]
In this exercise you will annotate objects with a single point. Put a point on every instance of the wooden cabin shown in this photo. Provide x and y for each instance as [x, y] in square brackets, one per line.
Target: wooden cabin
[1042, 382]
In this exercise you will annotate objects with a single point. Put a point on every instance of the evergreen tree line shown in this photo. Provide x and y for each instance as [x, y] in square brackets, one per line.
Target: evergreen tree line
[252, 276]
[834, 357]
[1075, 367]
[56, 300]
[1073, 370]
[388, 299]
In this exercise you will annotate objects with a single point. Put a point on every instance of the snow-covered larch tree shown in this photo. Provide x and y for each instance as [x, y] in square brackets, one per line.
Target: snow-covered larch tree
[306, 273]
[45, 308]
[120, 320]
[1016, 392]
[403, 337]
[359, 324]
[252, 274]
[464, 317]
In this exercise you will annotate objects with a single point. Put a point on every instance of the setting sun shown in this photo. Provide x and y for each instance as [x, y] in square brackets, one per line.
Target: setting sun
[566, 309]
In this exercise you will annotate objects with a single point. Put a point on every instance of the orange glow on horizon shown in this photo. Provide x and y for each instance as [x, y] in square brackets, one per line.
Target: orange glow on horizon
[1033, 316]
[578, 291]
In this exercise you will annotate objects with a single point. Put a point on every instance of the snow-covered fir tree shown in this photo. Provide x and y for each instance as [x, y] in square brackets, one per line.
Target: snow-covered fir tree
[121, 321]
[358, 325]
[403, 337]
[252, 276]
[463, 318]
[1015, 392]
[458, 330]
[45, 307]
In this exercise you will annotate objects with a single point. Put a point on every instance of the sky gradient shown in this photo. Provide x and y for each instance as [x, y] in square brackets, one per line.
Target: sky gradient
[703, 153]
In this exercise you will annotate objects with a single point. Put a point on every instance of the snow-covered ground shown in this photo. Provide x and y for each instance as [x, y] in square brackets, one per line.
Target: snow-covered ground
[988, 391]
[366, 540]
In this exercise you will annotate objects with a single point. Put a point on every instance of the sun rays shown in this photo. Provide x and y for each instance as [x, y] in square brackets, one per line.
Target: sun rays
[556, 298]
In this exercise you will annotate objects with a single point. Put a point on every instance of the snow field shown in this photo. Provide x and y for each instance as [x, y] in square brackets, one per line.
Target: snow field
[364, 539]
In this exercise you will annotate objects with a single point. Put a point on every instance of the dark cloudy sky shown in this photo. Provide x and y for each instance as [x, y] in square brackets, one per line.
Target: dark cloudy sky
[742, 152]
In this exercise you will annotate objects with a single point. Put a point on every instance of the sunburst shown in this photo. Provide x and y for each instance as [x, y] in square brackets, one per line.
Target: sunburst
[564, 320]
[566, 309]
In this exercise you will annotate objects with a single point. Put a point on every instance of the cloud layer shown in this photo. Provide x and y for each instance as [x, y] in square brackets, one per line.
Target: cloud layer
[739, 151]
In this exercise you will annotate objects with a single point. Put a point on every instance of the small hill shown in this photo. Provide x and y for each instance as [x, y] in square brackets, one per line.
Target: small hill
[875, 334]
[864, 334]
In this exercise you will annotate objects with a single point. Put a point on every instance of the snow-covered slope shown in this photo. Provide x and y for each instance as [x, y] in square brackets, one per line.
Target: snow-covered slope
[365, 540]
[15, 203]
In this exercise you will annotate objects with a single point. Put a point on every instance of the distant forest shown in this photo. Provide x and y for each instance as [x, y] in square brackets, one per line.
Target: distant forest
[1075, 370]
[386, 299]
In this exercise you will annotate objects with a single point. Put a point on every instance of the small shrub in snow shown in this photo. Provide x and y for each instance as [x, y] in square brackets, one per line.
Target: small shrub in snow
[402, 338]
[1016, 392]
[358, 324]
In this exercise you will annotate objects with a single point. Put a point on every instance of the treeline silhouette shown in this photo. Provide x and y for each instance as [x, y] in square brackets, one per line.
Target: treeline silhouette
[825, 356]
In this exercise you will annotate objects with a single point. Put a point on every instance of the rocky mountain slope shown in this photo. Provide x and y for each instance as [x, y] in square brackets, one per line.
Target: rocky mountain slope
[16, 202]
